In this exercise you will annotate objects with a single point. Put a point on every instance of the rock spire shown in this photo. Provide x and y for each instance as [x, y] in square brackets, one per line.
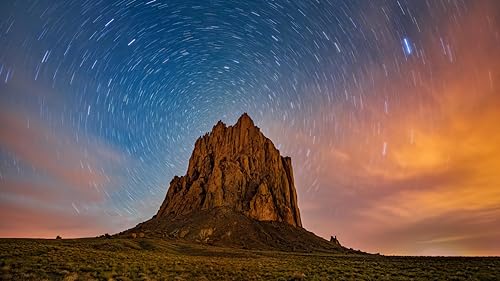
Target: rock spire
[235, 167]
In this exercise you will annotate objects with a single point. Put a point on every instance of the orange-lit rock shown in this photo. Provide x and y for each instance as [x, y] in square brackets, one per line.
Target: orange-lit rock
[236, 167]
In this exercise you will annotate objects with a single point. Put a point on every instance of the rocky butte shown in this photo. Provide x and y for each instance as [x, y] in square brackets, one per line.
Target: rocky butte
[239, 168]
[239, 192]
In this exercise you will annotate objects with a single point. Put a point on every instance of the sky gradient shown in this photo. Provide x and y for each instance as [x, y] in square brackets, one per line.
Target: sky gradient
[388, 109]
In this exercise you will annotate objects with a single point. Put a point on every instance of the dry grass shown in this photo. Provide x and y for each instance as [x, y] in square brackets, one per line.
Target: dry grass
[155, 259]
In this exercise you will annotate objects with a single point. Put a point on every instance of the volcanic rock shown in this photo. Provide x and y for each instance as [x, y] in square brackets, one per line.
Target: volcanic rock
[238, 191]
[235, 167]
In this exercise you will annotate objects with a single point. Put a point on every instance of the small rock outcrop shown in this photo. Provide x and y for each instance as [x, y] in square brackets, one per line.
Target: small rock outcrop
[235, 167]
[333, 239]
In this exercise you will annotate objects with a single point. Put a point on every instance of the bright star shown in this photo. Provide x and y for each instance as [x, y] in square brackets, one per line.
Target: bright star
[407, 46]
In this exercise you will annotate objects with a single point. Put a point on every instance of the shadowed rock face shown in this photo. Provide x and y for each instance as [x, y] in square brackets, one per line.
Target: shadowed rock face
[235, 167]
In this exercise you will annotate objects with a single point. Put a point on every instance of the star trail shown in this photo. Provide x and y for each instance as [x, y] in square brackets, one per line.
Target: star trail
[388, 109]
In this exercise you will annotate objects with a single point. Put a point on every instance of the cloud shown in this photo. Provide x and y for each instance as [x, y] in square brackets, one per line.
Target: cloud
[65, 183]
[56, 155]
[452, 162]
[25, 220]
[415, 169]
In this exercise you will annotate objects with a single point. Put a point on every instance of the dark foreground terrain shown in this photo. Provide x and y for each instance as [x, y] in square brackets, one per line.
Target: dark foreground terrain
[148, 259]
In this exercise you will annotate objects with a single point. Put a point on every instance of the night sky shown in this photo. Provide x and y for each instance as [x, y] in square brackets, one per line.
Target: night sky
[388, 109]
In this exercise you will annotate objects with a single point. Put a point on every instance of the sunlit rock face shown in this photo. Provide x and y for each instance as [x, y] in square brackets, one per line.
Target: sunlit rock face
[236, 167]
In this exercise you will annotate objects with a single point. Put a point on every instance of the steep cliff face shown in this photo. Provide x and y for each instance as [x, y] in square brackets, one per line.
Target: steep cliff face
[238, 168]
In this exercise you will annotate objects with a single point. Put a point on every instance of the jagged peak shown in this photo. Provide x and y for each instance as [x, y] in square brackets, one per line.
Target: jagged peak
[245, 119]
[236, 167]
[219, 124]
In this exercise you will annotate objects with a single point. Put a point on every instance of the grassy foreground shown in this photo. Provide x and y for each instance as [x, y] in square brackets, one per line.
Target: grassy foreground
[149, 259]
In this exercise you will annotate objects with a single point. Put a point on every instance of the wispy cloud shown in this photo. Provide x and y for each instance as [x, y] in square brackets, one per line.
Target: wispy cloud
[65, 183]
[31, 220]
[385, 177]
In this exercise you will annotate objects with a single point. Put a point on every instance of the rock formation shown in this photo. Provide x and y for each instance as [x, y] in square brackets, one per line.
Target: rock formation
[239, 168]
[238, 192]
[334, 240]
